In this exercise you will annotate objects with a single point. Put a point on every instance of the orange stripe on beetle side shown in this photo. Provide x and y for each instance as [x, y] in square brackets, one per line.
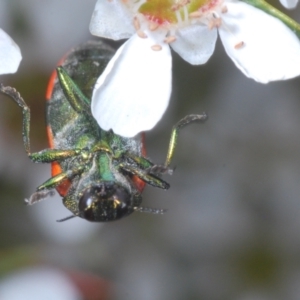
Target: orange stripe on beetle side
[56, 169]
[50, 136]
[139, 183]
[50, 85]
[53, 76]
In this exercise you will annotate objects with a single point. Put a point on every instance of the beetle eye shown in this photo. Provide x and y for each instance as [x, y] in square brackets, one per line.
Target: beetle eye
[105, 203]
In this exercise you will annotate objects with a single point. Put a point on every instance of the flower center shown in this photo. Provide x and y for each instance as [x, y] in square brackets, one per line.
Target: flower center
[161, 18]
[158, 11]
[167, 12]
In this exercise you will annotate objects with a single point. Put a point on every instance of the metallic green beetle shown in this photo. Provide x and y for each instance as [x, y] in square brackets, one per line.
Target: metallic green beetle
[99, 174]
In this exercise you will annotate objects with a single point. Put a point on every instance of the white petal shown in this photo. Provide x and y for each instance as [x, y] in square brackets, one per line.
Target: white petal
[271, 50]
[10, 54]
[111, 20]
[290, 4]
[195, 43]
[134, 90]
[38, 283]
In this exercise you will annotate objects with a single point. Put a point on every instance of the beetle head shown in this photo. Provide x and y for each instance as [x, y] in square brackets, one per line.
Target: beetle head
[105, 202]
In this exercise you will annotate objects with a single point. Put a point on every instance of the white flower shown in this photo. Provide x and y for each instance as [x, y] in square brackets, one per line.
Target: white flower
[10, 54]
[39, 282]
[134, 90]
[289, 4]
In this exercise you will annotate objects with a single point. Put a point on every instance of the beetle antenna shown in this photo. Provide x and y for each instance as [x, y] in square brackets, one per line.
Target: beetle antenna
[66, 218]
[156, 211]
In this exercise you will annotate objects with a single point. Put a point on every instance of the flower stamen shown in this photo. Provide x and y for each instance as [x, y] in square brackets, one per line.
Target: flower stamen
[214, 23]
[170, 39]
[153, 26]
[156, 47]
[195, 14]
[239, 45]
[180, 4]
[141, 34]
[136, 23]
[185, 13]
[224, 9]
[178, 16]
[175, 7]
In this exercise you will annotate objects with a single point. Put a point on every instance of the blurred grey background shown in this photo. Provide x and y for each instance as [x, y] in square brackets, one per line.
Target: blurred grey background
[232, 230]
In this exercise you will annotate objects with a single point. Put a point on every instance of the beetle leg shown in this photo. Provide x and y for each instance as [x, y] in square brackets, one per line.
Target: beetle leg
[148, 166]
[160, 169]
[50, 155]
[58, 179]
[39, 196]
[141, 161]
[47, 155]
[15, 95]
[145, 176]
[175, 130]
[77, 100]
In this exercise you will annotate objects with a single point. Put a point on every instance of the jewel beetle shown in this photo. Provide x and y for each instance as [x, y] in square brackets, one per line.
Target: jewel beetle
[99, 175]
